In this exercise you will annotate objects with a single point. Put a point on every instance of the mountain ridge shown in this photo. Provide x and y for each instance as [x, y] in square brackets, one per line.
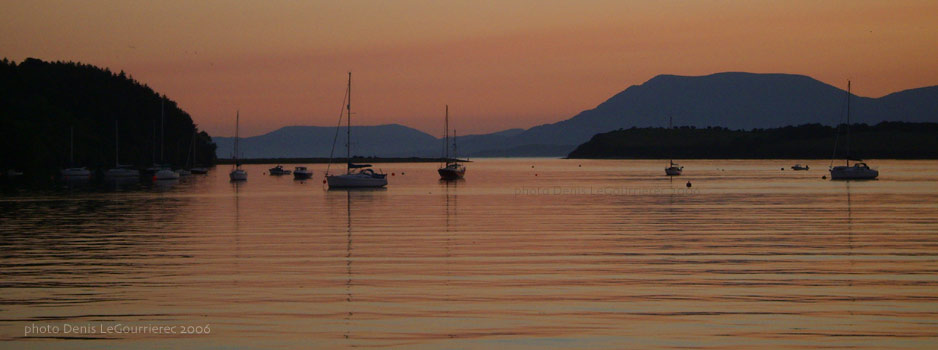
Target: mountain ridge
[735, 100]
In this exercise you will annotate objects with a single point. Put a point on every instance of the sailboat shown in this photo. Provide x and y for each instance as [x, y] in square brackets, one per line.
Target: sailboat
[237, 174]
[859, 170]
[165, 172]
[452, 170]
[673, 168]
[196, 170]
[74, 173]
[120, 171]
[356, 175]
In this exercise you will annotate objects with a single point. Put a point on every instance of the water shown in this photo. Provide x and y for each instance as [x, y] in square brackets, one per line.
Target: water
[564, 254]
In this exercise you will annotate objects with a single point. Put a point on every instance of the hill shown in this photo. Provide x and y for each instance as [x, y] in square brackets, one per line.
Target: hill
[42, 103]
[391, 140]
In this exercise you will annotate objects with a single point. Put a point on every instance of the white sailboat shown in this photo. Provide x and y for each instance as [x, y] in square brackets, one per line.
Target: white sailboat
[74, 173]
[237, 174]
[120, 171]
[452, 170]
[165, 172]
[859, 170]
[673, 168]
[196, 170]
[356, 175]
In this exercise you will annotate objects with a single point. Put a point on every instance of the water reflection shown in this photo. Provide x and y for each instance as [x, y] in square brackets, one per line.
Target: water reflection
[753, 259]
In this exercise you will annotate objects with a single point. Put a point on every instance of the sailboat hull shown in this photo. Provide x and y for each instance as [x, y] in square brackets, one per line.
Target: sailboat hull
[853, 173]
[76, 173]
[238, 175]
[673, 171]
[122, 173]
[452, 174]
[166, 174]
[356, 181]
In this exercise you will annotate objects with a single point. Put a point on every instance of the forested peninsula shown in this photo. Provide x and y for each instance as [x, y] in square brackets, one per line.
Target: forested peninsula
[60, 114]
[893, 140]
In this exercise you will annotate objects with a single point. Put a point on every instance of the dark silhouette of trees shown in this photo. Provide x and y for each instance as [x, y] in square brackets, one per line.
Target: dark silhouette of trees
[40, 102]
[809, 141]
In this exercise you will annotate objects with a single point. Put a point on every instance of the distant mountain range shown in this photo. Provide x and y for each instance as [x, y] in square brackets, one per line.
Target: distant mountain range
[731, 100]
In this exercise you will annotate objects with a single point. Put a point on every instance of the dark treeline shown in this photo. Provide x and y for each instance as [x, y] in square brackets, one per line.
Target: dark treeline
[811, 141]
[41, 102]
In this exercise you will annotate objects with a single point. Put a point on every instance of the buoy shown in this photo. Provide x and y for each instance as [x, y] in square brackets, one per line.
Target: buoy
[392, 174]
[783, 169]
[688, 184]
[532, 167]
[580, 166]
[323, 181]
[824, 177]
[535, 174]
[402, 173]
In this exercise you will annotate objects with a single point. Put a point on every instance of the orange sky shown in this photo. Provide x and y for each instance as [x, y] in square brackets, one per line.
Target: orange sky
[498, 64]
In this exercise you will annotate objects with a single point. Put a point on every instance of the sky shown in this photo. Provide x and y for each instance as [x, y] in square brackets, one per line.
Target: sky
[497, 64]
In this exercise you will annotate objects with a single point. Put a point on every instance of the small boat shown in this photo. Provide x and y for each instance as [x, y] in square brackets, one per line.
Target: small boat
[859, 170]
[301, 173]
[799, 167]
[122, 172]
[237, 174]
[79, 173]
[673, 168]
[452, 170]
[196, 170]
[278, 170]
[74, 173]
[165, 173]
[356, 175]
[119, 171]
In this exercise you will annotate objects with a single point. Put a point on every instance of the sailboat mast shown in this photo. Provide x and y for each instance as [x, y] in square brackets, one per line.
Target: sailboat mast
[848, 123]
[670, 119]
[348, 128]
[71, 146]
[446, 136]
[237, 137]
[117, 147]
[162, 136]
[455, 153]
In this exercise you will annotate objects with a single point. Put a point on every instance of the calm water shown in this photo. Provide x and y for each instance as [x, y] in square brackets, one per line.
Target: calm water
[564, 254]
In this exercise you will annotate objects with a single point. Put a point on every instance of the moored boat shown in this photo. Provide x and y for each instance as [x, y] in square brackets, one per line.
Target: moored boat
[356, 175]
[278, 170]
[452, 170]
[302, 173]
[857, 171]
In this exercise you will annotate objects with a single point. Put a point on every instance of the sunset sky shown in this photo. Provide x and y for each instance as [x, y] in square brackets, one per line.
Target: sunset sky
[498, 64]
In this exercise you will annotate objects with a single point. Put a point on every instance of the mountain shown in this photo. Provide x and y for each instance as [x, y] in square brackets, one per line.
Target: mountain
[391, 140]
[43, 103]
[736, 101]
[731, 100]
